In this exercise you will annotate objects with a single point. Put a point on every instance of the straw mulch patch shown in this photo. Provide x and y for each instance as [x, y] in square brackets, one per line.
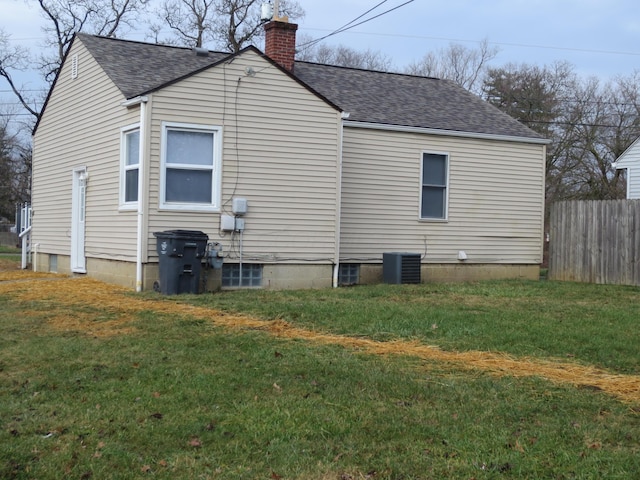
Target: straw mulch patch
[10, 271]
[114, 309]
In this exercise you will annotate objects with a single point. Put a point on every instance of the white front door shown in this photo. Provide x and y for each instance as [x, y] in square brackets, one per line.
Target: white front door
[78, 197]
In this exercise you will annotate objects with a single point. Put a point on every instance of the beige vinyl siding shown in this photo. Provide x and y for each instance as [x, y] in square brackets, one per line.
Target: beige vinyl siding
[69, 137]
[495, 192]
[280, 152]
[633, 181]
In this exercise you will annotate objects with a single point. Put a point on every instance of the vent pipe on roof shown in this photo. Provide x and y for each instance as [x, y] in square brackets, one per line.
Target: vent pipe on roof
[201, 52]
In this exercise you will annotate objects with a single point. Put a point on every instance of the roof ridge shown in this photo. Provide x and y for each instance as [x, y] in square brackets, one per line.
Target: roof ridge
[387, 72]
[148, 44]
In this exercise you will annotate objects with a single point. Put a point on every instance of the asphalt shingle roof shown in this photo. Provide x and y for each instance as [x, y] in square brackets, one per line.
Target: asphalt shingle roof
[368, 96]
[407, 100]
[137, 68]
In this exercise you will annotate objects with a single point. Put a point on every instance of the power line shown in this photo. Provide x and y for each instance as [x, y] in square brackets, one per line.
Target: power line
[15, 115]
[351, 24]
[506, 44]
[25, 90]
[574, 124]
[313, 42]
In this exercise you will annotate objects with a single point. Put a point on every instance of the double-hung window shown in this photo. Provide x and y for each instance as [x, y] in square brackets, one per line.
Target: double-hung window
[130, 165]
[434, 191]
[190, 167]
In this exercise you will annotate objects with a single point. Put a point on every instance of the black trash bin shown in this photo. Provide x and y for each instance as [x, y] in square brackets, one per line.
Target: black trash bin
[180, 255]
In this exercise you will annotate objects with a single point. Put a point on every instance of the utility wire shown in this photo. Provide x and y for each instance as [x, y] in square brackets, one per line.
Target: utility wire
[351, 24]
[346, 24]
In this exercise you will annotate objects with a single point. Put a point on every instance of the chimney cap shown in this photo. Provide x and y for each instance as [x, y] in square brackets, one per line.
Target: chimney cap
[280, 23]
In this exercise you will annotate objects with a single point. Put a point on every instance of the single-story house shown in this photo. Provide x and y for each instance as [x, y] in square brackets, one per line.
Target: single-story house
[630, 160]
[304, 174]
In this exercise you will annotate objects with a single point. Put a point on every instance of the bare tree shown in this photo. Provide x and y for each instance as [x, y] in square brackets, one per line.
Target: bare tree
[458, 63]
[342, 56]
[15, 58]
[608, 124]
[63, 19]
[190, 22]
[15, 168]
[238, 22]
[589, 124]
[227, 24]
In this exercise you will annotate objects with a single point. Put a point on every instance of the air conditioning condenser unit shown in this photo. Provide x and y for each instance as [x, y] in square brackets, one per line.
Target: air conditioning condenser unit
[401, 267]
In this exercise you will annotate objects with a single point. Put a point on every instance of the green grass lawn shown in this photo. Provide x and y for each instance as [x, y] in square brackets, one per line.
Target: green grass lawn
[594, 324]
[180, 398]
[6, 249]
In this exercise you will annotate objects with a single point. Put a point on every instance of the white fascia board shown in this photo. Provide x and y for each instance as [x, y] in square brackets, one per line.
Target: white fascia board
[447, 133]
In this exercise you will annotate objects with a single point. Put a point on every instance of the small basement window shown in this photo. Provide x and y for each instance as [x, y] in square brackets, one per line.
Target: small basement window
[349, 274]
[251, 275]
[53, 263]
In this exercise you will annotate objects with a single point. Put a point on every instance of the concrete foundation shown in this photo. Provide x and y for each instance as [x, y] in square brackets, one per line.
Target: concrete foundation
[284, 276]
[472, 272]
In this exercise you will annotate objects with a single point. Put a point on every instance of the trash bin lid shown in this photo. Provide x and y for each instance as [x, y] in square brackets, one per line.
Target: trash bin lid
[182, 234]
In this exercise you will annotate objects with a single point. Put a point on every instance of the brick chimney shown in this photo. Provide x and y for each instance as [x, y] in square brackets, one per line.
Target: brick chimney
[280, 43]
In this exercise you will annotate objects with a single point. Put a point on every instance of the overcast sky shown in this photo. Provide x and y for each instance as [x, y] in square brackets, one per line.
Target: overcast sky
[599, 37]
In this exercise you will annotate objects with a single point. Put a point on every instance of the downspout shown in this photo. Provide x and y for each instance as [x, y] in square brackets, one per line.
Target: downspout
[34, 258]
[336, 263]
[142, 101]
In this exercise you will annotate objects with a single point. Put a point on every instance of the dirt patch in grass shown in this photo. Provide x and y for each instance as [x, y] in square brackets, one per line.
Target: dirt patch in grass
[8, 264]
[100, 309]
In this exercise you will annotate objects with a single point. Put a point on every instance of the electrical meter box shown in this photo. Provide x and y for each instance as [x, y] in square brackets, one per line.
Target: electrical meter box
[227, 223]
[239, 206]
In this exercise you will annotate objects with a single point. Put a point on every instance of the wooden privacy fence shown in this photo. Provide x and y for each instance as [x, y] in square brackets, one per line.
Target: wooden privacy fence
[595, 241]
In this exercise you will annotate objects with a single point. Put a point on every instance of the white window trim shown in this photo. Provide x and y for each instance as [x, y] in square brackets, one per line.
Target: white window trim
[124, 205]
[446, 197]
[216, 168]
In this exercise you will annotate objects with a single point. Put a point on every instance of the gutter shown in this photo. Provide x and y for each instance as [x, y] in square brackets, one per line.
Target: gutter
[142, 101]
[336, 263]
[446, 133]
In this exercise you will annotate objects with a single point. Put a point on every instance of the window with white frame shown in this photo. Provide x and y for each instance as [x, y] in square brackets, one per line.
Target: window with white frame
[434, 191]
[190, 167]
[130, 163]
